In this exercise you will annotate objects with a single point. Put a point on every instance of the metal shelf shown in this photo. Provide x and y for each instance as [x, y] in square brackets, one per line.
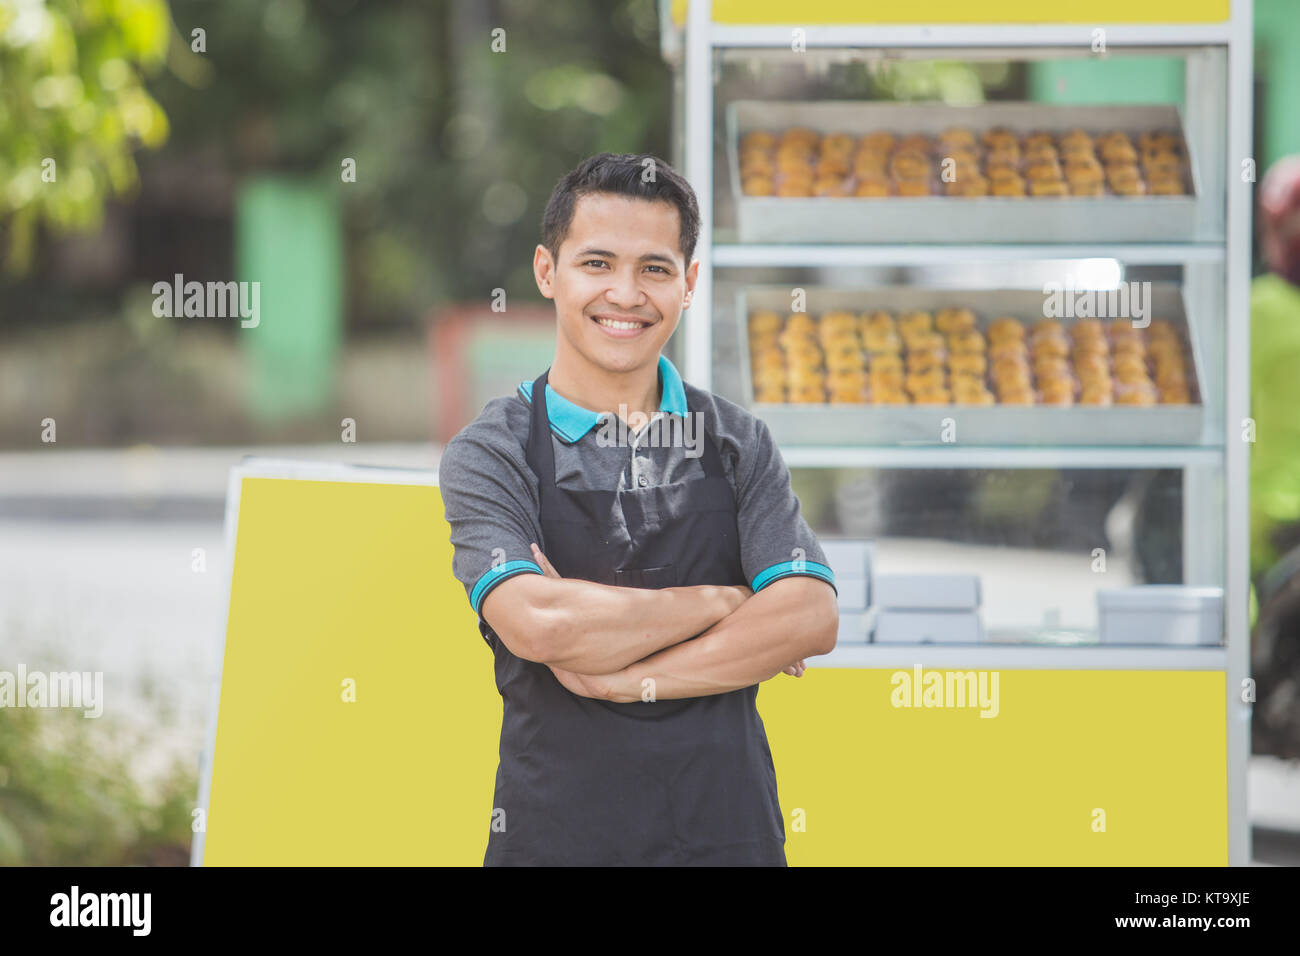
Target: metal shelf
[1065, 37]
[989, 656]
[939, 455]
[741, 255]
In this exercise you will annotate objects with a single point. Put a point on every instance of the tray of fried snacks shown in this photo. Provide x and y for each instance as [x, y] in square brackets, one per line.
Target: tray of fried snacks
[840, 171]
[992, 367]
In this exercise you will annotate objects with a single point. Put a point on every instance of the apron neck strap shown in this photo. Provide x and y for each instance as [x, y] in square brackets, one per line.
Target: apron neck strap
[541, 451]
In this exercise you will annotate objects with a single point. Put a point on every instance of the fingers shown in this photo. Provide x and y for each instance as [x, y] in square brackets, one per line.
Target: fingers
[542, 563]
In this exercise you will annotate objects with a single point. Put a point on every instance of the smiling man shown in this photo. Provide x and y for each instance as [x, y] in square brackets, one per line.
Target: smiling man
[634, 593]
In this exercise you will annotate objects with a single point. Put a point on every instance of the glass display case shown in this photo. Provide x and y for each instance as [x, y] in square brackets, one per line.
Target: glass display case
[998, 326]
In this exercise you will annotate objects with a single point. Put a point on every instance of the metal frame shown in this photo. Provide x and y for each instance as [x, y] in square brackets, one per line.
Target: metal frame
[255, 467]
[1230, 260]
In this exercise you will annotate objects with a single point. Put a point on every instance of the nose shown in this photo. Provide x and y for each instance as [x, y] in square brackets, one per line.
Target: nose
[624, 290]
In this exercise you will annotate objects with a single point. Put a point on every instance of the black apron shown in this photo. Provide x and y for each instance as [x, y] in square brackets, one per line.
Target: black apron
[663, 783]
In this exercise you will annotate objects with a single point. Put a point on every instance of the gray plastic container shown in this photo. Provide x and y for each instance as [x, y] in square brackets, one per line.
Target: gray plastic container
[1161, 614]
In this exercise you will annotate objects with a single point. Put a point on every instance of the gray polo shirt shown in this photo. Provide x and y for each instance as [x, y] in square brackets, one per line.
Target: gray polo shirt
[491, 500]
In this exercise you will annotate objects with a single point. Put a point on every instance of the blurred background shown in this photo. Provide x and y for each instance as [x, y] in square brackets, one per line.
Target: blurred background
[389, 169]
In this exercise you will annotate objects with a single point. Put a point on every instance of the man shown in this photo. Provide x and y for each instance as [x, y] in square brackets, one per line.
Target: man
[636, 556]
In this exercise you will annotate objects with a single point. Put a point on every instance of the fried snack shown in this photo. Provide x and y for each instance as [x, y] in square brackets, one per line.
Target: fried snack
[1086, 329]
[967, 341]
[968, 186]
[917, 382]
[915, 321]
[830, 187]
[923, 341]
[876, 320]
[1017, 396]
[972, 363]
[886, 363]
[1047, 366]
[1096, 395]
[932, 396]
[1136, 394]
[836, 321]
[764, 321]
[808, 395]
[1013, 187]
[1009, 350]
[879, 141]
[1046, 187]
[758, 139]
[882, 340]
[791, 188]
[1054, 346]
[912, 187]
[1169, 375]
[954, 319]
[873, 188]
[957, 136]
[1005, 329]
[889, 396]
[923, 360]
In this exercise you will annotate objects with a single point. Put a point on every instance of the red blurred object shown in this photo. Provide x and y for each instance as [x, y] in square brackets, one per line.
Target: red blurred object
[1279, 215]
[458, 393]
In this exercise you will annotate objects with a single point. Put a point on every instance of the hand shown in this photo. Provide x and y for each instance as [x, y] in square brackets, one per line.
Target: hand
[794, 670]
[542, 563]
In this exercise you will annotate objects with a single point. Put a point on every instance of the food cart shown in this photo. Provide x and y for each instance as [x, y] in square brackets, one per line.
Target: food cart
[1120, 732]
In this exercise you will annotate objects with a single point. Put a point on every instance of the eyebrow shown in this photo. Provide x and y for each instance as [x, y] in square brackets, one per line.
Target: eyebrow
[648, 257]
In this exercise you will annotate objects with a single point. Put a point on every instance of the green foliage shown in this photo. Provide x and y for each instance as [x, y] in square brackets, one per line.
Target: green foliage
[457, 147]
[1275, 407]
[68, 795]
[73, 110]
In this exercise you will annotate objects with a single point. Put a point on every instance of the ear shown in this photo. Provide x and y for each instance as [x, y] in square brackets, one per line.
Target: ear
[544, 271]
[692, 274]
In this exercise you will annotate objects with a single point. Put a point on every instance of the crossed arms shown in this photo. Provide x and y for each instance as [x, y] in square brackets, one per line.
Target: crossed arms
[603, 641]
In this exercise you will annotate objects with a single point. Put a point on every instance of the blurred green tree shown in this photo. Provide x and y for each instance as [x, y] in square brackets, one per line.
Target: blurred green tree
[458, 133]
[73, 109]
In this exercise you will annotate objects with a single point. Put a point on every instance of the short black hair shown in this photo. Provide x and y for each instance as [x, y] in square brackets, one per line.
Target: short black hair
[639, 175]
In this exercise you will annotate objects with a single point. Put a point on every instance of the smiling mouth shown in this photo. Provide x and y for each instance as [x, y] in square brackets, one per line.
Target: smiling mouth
[622, 326]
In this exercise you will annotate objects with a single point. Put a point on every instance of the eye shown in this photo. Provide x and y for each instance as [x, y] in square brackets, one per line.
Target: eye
[599, 262]
[660, 268]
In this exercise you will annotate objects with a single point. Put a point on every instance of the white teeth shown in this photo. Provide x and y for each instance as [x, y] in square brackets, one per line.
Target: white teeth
[615, 324]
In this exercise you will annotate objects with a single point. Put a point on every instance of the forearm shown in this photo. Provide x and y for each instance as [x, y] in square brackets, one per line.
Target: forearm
[598, 628]
[749, 646]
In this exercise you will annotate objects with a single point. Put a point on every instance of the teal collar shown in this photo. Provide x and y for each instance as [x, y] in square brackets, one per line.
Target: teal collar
[570, 422]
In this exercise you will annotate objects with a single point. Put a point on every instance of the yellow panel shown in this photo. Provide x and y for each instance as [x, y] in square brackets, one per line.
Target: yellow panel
[336, 580]
[1093, 12]
[908, 786]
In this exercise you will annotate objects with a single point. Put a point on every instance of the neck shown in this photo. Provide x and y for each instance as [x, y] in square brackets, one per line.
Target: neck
[601, 390]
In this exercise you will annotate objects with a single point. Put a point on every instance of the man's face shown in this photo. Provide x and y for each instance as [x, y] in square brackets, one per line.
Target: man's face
[619, 283]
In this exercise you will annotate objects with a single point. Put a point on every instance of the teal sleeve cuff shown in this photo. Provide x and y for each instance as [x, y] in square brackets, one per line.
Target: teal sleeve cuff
[788, 569]
[495, 576]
